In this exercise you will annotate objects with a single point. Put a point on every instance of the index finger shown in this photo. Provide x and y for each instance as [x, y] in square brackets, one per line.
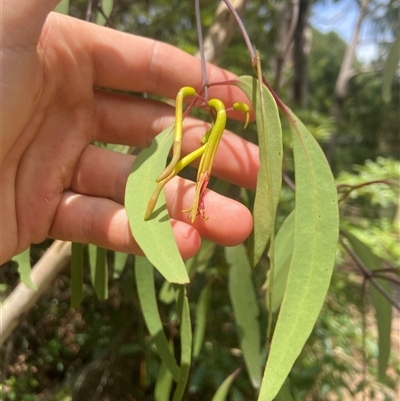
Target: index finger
[129, 62]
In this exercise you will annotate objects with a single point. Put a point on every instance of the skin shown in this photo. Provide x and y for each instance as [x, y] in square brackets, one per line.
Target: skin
[53, 182]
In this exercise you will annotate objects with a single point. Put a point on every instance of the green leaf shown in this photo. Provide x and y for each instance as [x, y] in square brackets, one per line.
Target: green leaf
[201, 319]
[120, 259]
[99, 271]
[284, 394]
[196, 264]
[284, 243]
[76, 274]
[390, 70]
[147, 296]
[185, 331]
[383, 309]
[269, 179]
[163, 386]
[24, 268]
[62, 7]
[107, 6]
[315, 241]
[245, 308]
[154, 236]
[225, 386]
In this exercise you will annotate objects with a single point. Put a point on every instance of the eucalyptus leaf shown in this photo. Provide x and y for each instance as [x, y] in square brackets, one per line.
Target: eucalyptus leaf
[99, 271]
[24, 268]
[107, 6]
[315, 241]
[202, 307]
[383, 309]
[62, 7]
[144, 273]
[76, 274]
[225, 386]
[163, 386]
[284, 242]
[246, 310]
[269, 179]
[154, 236]
[120, 259]
[185, 331]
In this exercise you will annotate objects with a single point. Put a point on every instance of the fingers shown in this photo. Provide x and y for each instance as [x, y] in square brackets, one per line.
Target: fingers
[128, 62]
[104, 173]
[129, 120]
[104, 223]
[227, 222]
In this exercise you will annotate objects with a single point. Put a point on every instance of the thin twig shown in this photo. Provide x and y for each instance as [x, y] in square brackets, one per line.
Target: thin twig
[369, 275]
[89, 11]
[205, 81]
[243, 31]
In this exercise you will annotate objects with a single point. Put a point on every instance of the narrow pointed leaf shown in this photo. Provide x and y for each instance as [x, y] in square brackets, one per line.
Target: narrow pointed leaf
[201, 319]
[62, 7]
[99, 271]
[107, 6]
[163, 386]
[269, 179]
[76, 274]
[284, 243]
[147, 296]
[245, 308]
[315, 242]
[24, 268]
[284, 393]
[225, 386]
[155, 236]
[185, 331]
[383, 309]
[120, 259]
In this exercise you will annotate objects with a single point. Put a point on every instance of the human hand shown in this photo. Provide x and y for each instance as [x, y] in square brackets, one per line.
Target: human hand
[54, 182]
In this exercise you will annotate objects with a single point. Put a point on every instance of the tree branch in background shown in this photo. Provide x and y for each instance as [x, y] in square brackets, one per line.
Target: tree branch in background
[222, 29]
[368, 275]
[345, 74]
[289, 18]
[22, 299]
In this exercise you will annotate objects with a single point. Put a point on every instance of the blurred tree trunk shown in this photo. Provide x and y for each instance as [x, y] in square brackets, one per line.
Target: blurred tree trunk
[221, 31]
[345, 74]
[301, 49]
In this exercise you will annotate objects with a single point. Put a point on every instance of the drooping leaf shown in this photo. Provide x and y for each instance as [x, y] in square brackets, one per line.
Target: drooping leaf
[284, 393]
[390, 70]
[163, 386]
[99, 271]
[120, 259]
[246, 310]
[76, 274]
[62, 7]
[269, 179]
[225, 386]
[154, 236]
[284, 242]
[185, 331]
[196, 264]
[383, 309]
[24, 268]
[315, 241]
[106, 6]
[147, 296]
[201, 319]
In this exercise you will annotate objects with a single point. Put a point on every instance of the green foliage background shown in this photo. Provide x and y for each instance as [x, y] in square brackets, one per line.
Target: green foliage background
[59, 354]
